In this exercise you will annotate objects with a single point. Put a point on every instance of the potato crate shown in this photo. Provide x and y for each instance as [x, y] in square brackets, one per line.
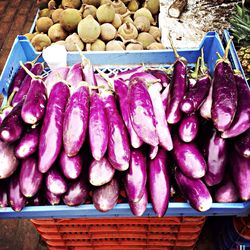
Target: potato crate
[121, 233]
[110, 63]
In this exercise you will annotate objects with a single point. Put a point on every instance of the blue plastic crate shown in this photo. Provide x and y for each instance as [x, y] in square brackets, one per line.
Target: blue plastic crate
[23, 51]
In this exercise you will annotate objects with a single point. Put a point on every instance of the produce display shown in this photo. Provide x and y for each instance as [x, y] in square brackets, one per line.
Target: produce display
[142, 135]
[98, 25]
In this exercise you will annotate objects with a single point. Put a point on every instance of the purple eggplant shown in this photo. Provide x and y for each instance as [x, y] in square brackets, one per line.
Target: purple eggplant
[241, 122]
[106, 197]
[53, 199]
[55, 182]
[98, 127]
[88, 72]
[4, 113]
[100, 172]
[18, 78]
[240, 167]
[16, 199]
[153, 152]
[139, 207]
[8, 161]
[75, 75]
[189, 159]
[216, 159]
[195, 191]
[125, 75]
[3, 194]
[164, 97]
[160, 75]
[242, 144]
[197, 94]
[142, 112]
[121, 90]
[162, 128]
[28, 144]
[12, 126]
[71, 167]
[159, 183]
[205, 109]
[30, 178]
[144, 76]
[188, 128]
[77, 193]
[118, 142]
[51, 134]
[34, 105]
[37, 69]
[136, 177]
[54, 77]
[227, 192]
[224, 95]
[177, 89]
[75, 121]
[37, 200]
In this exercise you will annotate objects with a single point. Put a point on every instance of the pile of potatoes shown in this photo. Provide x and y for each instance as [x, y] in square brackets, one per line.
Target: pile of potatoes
[98, 25]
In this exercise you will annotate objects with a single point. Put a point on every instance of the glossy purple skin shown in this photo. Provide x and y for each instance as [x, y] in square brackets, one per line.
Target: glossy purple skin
[118, 142]
[98, 127]
[8, 161]
[28, 144]
[162, 127]
[100, 172]
[12, 126]
[227, 192]
[55, 182]
[164, 97]
[139, 207]
[125, 75]
[30, 179]
[77, 193]
[75, 122]
[71, 167]
[196, 95]
[105, 197]
[240, 167]
[153, 152]
[54, 77]
[37, 69]
[33, 108]
[136, 177]
[161, 75]
[144, 76]
[195, 191]
[3, 194]
[75, 75]
[121, 89]
[177, 91]
[242, 144]
[159, 183]
[241, 121]
[189, 159]
[88, 74]
[18, 78]
[5, 112]
[224, 96]
[189, 127]
[205, 109]
[141, 112]
[16, 199]
[51, 134]
[216, 159]
[53, 199]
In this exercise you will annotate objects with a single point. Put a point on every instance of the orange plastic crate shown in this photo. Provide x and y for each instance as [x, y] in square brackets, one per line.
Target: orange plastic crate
[242, 226]
[121, 233]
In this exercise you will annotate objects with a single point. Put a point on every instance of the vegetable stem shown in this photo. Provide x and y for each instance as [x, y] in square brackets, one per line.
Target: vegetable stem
[196, 70]
[203, 66]
[29, 73]
[225, 57]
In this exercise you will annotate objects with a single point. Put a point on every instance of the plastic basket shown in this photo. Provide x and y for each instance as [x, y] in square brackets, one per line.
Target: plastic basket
[123, 233]
[111, 62]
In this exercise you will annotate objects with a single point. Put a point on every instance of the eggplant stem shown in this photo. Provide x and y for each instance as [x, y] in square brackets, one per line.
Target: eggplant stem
[9, 100]
[33, 76]
[219, 55]
[36, 59]
[203, 66]
[195, 74]
[83, 57]
[173, 47]
[109, 81]
[225, 57]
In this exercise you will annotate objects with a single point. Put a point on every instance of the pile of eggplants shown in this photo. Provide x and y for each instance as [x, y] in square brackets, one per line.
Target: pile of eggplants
[81, 136]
